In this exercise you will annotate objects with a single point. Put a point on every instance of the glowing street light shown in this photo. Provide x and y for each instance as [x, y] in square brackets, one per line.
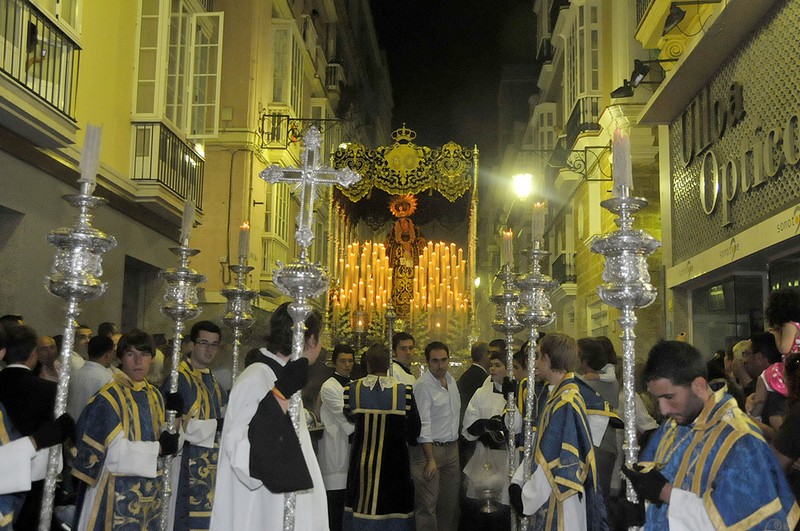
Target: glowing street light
[523, 185]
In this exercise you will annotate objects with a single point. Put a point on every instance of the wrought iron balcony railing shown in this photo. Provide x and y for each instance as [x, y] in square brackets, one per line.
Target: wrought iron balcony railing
[564, 267]
[38, 55]
[584, 117]
[161, 156]
[641, 9]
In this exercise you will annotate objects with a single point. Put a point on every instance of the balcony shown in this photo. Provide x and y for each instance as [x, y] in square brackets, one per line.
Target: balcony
[555, 10]
[334, 77]
[39, 65]
[584, 117]
[564, 268]
[162, 161]
[38, 55]
[642, 6]
[546, 52]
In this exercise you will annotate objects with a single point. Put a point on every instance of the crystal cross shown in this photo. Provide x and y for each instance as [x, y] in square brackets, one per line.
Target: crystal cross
[307, 177]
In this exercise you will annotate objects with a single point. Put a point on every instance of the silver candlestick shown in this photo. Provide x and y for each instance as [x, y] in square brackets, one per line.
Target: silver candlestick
[533, 310]
[626, 286]
[505, 321]
[301, 279]
[180, 305]
[75, 277]
[238, 312]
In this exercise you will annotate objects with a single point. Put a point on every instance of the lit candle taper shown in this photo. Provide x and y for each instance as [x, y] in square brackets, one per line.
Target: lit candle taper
[244, 243]
[90, 159]
[507, 256]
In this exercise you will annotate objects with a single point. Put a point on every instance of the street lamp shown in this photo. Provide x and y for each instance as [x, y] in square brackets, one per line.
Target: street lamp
[523, 185]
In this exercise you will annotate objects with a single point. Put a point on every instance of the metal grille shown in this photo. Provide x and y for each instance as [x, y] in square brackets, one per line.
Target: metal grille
[38, 55]
[160, 155]
[767, 66]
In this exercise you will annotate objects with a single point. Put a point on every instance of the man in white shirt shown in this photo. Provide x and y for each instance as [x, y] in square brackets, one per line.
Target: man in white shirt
[334, 448]
[403, 345]
[81, 353]
[434, 462]
[95, 373]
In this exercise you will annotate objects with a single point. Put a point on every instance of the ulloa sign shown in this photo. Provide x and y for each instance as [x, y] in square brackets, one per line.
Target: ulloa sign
[759, 157]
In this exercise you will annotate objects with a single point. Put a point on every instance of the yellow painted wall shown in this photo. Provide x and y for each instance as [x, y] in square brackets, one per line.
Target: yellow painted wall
[105, 87]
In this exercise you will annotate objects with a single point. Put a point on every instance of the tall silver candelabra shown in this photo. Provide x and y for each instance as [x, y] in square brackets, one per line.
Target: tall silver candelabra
[238, 312]
[301, 279]
[75, 277]
[505, 321]
[180, 305]
[533, 310]
[626, 286]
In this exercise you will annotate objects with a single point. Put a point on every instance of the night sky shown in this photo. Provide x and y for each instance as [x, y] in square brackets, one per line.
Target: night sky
[445, 61]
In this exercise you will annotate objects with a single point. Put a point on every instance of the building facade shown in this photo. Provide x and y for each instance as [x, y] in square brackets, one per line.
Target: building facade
[144, 71]
[186, 115]
[585, 48]
[286, 66]
[730, 152]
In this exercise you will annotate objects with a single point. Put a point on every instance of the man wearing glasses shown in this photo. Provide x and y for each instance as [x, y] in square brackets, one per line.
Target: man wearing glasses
[194, 467]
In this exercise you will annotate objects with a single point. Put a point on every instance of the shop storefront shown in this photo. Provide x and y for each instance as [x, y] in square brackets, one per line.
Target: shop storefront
[734, 165]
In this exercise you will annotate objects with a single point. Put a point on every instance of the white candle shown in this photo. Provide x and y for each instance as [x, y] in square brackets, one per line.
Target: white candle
[537, 229]
[507, 255]
[90, 158]
[621, 156]
[244, 243]
[187, 222]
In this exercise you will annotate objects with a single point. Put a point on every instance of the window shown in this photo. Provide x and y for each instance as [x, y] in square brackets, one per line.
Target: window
[582, 53]
[276, 216]
[287, 69]
[64, 11]
[178, 67]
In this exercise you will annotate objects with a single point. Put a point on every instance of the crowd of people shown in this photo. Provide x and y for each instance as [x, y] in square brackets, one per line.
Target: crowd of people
[397, 450]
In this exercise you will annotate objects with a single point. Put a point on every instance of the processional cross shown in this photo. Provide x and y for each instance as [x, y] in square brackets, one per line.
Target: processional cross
[302, 279]
[307, 177]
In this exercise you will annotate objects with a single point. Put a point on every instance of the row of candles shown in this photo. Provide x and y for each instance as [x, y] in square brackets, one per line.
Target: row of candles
[366, 279]
[440, 285]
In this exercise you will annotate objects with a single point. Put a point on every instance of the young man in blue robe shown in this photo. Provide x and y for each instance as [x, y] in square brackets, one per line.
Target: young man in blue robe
[195, 467]
[562, 493]
[708, 461]
[119, 439]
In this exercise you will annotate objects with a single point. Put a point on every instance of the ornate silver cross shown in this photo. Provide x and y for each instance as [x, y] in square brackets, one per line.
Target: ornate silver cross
[311, 173]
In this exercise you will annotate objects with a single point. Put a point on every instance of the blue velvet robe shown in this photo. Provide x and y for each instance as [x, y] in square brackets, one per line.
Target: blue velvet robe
[565, 452]
[203, 399]
[722, 457]
[136, 410]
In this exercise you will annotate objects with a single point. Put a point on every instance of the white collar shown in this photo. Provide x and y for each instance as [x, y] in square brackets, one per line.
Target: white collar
[18, 366]
[385, 381]
[283, 361]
